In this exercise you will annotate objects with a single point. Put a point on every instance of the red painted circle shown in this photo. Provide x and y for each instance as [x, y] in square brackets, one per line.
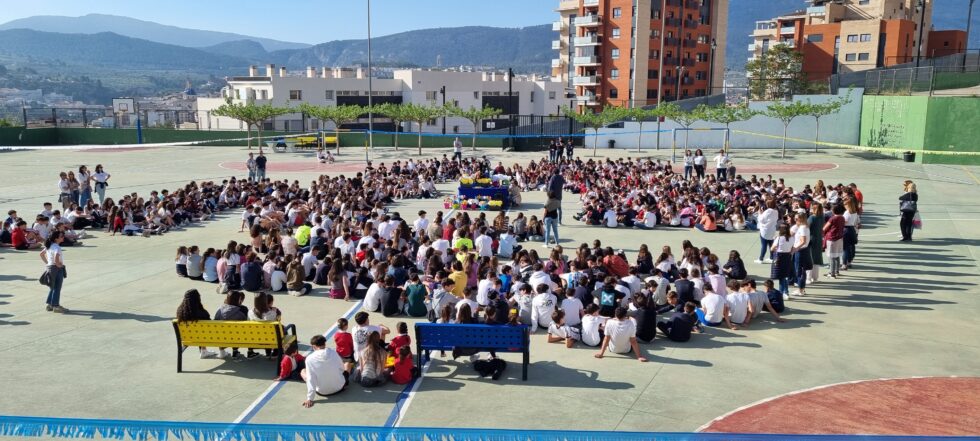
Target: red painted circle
[115, 150]
[909, 406]
[295, 166]
[781, 168]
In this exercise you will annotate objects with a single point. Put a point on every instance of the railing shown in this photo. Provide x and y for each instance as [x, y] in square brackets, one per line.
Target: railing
[672, 21]
[787, 30]
[556, 44]
[586, 80]
[558, 26]
[930, 80]
[588, 20]
[556, 62]
[689, 62]
[587, 41]
[816, 10]
[590, 3]
[585, 61]
[690, 42]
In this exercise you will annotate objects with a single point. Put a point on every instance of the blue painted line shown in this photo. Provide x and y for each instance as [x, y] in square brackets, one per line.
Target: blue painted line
[404, 395]
[279, 384]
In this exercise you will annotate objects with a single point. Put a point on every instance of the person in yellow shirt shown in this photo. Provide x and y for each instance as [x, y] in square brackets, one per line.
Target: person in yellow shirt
[303, 234]
[458, 276]
[464, 251]
[463, 241]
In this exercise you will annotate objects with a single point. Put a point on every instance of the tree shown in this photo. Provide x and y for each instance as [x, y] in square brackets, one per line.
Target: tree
[419, 114]
[338, 115]
[395, 113]
[641, 116]
[597, 120]
[724, 114]
[686, 118]
[475, 116]
[776, 74]
[831, 107]
[787, 112]
[251, 114]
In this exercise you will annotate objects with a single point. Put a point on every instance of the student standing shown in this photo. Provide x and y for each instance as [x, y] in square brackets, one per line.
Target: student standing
[767, 222]
[260, 162]
[54, 261]
[101, 179]
[815, 223]
[782, 267]
[908, 206]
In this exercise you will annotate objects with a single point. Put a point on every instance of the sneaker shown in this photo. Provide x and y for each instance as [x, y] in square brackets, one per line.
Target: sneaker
[223, 354]
[252, 355]
[545, 246]
[48, 308]
[757, 261]
[785, 297]
[59, 309]
[208, 355]
[474, 357]
[767, 261]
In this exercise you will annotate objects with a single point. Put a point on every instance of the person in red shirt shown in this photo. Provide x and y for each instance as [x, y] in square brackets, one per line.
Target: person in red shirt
[404, 369]
[448, 230]
[858, 196]
[615, 264]
[18, 237]
[292, 364]
[345, 344]
[403, 339]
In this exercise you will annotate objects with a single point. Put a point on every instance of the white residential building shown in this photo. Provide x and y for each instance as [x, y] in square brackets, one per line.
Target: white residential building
[340, 86]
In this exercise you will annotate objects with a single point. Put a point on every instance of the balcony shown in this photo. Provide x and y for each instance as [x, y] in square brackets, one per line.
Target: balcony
[691, 24]
[816, 10]
[670, 80]
[752, 47]
[556, 44]
[674, 22]
[689, 62]
[671, 61]
[687, 81]
[674, 2]
[556, 62]
[592, 80]
[787, 43]
[692, 4]
[689, 42]
[588, 20]
[787, 30]
[587, 61]
[670, 41]
[588, 3]
[567, 5]
[588, 41]
[587, 100]
[558, 26]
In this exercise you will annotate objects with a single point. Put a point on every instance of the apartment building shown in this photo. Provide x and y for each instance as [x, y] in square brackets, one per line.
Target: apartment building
[839, 36]
[640, 52]
[532, 95]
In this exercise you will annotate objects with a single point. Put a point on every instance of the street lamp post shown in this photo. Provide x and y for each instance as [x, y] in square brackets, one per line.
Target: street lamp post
[921, 9]
[711, 67]
[680, 71]
[969, 23]
[370, 86]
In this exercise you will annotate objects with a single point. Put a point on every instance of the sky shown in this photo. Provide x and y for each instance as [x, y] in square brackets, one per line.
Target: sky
[303, 21]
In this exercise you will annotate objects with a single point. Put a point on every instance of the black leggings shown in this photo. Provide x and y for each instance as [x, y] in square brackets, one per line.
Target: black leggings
[906, 225]
[699, 170]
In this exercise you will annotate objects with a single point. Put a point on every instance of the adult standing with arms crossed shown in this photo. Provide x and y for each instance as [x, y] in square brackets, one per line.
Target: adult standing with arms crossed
[457, 150]
[556, 185]
[250, 165]
[260, 162]
[84, 186]
[908, 205]
[55, 263]
[767, 222]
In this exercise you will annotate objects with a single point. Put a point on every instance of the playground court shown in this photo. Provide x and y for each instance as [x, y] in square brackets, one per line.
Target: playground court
[905, 310]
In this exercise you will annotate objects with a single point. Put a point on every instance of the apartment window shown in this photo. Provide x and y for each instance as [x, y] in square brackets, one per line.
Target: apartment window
[615, 54]
[651, 94]
[348, 93]
[655, 33]
[263, 94]
[670, 34]
[431, 95]
[238, 94]
[615, 33]
[431, 122]
[532, 96]
[476, 95]
[552, 95]
[702, 58]
[613, 93]
[853, 38]
[655, 53]
[864, 56]
[865, 38]
[703, 39]
[700, 75]
[655, 13]
[617, 12]
[864, 2]
[850, 57]
[653, 74]
[328, 95]
[296, 95]
[815, 38]
[614, 74]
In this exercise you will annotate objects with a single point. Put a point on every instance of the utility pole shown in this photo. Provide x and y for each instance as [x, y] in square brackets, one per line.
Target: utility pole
[510, 104]
[370, 86]
[711, 66]
[969, 23]
[443, 91]
[921, 9]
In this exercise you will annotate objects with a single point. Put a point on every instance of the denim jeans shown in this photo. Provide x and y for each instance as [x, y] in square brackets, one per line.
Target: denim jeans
[84, 197]
[550, 230]
[850, 244]
[766, 245]
[251, 176]
[688, 171]
[260, 174]
[57, 279]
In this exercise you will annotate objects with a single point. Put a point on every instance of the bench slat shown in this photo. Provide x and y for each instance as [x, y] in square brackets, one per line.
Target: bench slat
[214, 333]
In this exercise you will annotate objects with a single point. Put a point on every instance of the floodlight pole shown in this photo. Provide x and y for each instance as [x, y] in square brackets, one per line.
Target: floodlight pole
[370, 86]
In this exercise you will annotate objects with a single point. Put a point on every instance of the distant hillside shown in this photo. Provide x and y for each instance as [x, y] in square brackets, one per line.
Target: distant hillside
[247, 49]
[525, 49]
[146, 30]
[108, 49]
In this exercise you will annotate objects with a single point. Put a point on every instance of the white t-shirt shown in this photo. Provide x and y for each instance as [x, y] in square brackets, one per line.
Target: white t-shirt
[714, 308]
[101, 177]
[361, 334]
[421, 224]
[538, 278]
[482, 291]
[620, 332]
[784, 245]
[767, 223]
[52, 253]
[278, 280]
[442, 245]
[721, 160]
[758, 300]
[851, 219]
[484, 245]
[474, 306]
[610, 219]
[542, 306]
[372, 299]
[309, 262]
[801, 235]
[564, 331]
[738, 306]
[324, 373]
[590, 329]
[572, 307]
[634, 282]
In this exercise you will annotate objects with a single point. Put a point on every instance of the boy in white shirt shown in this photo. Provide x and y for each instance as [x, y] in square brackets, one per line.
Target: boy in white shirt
[483, 244]
[542, 306]
[484, 287]
[363, 329]
[592, 324]
[572, 308]
[620, 336]
[739, 307]
[560, 331]
[609, 218]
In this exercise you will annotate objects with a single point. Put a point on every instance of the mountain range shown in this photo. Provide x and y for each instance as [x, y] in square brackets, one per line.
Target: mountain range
[133, 56]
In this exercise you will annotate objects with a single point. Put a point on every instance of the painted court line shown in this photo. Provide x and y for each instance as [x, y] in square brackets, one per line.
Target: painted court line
[274, 388]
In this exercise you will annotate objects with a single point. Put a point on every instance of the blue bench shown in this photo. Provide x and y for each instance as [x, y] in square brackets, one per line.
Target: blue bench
[500, 338]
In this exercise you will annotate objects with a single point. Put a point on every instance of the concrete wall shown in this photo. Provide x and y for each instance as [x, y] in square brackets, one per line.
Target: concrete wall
[841, 128]
[918, 123]
[19, 136]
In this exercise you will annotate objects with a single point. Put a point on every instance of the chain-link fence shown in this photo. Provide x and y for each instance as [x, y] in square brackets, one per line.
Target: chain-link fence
[932, 81]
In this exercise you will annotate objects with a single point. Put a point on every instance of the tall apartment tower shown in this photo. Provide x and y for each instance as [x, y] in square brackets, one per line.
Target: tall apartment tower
[840, 36]
[636, 53]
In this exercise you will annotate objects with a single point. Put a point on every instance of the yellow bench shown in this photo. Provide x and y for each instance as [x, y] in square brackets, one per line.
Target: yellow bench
[313, 141]
[230, 334]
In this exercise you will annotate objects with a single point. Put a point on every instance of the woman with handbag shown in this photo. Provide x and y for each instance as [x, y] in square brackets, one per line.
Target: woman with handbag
[908, 206]
[54, 261]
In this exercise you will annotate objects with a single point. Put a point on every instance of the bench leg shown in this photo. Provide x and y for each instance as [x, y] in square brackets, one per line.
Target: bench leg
[180, 358]
[527, 361]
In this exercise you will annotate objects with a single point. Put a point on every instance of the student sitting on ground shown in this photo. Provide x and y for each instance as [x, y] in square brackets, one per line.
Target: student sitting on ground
[561, 332]
[680, 324]
[404, 368]
[620, 336]
[324, 373]
[714, 309]
[371, 362]
[292, 364]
